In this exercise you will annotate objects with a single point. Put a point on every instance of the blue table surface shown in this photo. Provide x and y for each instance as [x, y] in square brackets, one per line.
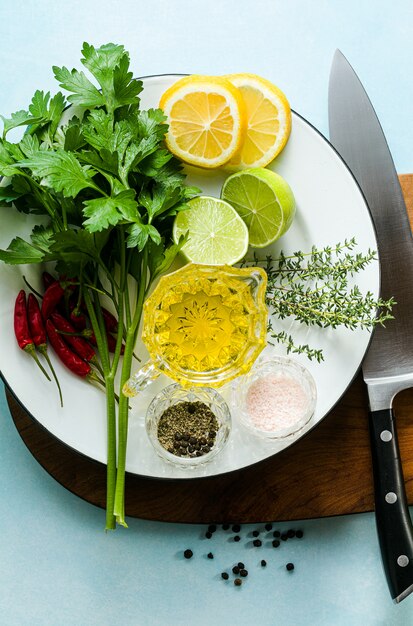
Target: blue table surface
[57, 566]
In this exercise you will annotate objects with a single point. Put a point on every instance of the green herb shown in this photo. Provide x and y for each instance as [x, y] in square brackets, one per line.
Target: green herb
[109, 191]
[314, 290]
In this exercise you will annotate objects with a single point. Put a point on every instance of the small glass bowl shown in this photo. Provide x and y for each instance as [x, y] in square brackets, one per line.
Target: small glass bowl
[282, 367]
[174, 394]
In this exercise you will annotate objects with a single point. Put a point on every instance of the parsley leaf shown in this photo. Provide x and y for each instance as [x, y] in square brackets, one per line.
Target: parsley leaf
[74, 242]
[84, 93]
[101, 62]
[125, 87]
[29, 145]
[59, 170]
[38, 107]
[20, 251]
[97, 129]
[109, 211]
[73, 249]
[20, 118]
[8, 194]
[42, 237]
[70, 138]
[7, 162]
[139, 235]
[163, 197]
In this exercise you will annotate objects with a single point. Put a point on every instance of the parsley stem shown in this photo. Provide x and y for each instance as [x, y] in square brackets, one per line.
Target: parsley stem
[119, 507]
[96, 321]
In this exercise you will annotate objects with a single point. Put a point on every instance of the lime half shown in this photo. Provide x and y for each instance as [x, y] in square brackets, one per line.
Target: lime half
[265, 202]
[216, 233]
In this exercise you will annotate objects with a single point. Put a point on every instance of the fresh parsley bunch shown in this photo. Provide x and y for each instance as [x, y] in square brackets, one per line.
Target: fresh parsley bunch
[100, 173]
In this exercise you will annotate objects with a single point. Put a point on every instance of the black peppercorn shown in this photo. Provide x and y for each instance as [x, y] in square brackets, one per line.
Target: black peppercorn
[243, 573]
[192, 441]
[268, 527]
[255, 533]
[224, 575]
[202, 441]
[275, 543]
[263, 563]
[235, 569]
[284, 536]
[185, 436]
[210, 555]
[238, 582]
[191, 409]
[237, 538]
[236, 528]
[299, 534]
[291, 533]
[208, 535]
[276, 533]
[257, 543]
[198, 453]
[212, 528]
[188, 554]
[241, 565]
[190, 448]
[290, 566]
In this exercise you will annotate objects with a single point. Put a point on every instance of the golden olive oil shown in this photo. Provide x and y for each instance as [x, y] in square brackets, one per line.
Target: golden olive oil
[206, 324]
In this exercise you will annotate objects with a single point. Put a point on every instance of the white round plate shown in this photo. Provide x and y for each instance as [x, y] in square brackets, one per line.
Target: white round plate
[330, 208]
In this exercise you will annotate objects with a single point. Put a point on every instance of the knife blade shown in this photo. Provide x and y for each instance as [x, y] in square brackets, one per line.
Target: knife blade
[356, 133]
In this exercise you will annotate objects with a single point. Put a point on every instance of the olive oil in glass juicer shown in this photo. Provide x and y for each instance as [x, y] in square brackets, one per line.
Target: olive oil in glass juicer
[203, 325]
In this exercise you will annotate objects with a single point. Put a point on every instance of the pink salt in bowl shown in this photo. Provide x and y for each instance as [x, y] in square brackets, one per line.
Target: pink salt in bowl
[276, 399]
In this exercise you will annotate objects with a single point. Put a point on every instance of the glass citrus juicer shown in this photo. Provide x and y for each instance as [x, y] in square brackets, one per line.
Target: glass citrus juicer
[203, 325]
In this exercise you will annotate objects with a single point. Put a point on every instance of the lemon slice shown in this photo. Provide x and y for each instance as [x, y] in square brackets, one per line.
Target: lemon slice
[207, 121]
[265, 202]
[216, 233]
[268, 121]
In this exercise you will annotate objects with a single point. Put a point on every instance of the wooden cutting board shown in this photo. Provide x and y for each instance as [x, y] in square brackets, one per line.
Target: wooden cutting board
[328, 472]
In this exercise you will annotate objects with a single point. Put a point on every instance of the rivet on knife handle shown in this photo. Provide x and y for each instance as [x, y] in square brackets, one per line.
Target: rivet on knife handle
[394, 526]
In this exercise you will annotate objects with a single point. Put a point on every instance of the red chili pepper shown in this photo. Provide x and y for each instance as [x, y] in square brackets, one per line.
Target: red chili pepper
[111, 323]
[69, 358]
[21, 324]
[36, 324]
[48, 279]
[22, 331]
[77, 318]
[38, 333]
[52, 297]
[79, 345]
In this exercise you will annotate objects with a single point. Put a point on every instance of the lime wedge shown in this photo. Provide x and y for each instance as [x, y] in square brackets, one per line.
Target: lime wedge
[265, 202]
[216, 233]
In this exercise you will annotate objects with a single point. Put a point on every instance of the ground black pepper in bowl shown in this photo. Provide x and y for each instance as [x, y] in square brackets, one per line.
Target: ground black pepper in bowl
[188, 429]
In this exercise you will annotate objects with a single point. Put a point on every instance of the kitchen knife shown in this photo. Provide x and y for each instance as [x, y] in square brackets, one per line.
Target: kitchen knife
[356, 133]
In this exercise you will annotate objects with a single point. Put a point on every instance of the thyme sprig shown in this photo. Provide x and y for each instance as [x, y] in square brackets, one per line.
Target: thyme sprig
[313, 289]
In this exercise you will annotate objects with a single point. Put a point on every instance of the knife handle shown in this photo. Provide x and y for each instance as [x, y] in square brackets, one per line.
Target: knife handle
[394, 526]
